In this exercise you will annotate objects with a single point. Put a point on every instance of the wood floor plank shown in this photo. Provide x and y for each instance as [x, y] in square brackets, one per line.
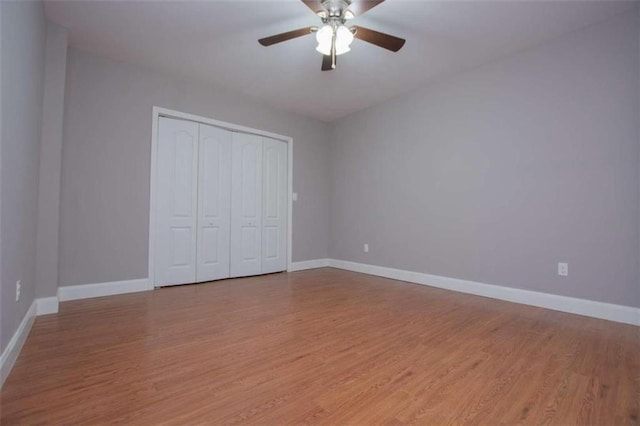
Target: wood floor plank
[321, 347]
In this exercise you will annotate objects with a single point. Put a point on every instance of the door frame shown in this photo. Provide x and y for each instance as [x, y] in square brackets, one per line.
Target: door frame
[169, 113]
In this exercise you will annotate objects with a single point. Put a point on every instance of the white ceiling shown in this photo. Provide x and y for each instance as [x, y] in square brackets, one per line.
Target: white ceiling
[216, 42]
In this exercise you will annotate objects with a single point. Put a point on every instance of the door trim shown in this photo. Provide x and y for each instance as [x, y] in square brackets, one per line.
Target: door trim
[164, 112]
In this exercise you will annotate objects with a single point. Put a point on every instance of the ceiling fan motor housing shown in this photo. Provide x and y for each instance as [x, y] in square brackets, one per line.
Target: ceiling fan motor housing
[335, 9]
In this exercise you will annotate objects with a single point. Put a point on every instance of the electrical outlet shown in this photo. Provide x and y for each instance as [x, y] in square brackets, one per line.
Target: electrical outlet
[366, 248]
[294, 196]
[18, 290]
[563, 269]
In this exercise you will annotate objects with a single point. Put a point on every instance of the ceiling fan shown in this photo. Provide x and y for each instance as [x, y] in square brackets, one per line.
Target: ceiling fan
[334, 37]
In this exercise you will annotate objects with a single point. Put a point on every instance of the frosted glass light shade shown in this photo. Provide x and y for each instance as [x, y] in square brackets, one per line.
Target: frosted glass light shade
[344, 37]
[324, 36]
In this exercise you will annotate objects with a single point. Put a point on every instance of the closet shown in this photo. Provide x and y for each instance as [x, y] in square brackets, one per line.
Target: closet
[221, 203]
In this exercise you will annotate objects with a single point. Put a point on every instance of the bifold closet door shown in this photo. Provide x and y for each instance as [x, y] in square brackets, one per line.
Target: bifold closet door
[274, 196]
[176, 201]
[214, 203]
[246, 205]
[221, 203]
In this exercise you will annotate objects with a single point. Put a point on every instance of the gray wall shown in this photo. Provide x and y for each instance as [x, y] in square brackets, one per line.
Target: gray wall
[497, 174]
[50, 161]
[104, 214]
[23, 45]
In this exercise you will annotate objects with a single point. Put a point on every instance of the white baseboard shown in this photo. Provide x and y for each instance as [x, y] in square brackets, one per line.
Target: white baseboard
[86, 291]
[309, 264]
[11, 352]
[590, 308]
[47, 305]
[42, 306]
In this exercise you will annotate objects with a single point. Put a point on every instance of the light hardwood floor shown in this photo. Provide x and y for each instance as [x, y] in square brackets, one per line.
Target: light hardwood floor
[322, 346]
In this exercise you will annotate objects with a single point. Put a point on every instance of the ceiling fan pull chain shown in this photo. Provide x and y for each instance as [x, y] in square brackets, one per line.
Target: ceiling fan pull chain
[333, 48]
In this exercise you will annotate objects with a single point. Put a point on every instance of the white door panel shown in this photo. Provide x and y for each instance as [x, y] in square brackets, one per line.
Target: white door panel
[250, 238]
[176, 201]
[274, 184]
[214, 203]
[246, 205]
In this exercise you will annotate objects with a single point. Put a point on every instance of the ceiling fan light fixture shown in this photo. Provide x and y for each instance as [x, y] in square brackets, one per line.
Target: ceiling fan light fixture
[334, 38]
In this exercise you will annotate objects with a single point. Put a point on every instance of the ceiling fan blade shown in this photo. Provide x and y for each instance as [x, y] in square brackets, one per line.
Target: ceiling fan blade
[326, 63]
[383, 40]
[358, 7]
[279, 38]
[315, 5]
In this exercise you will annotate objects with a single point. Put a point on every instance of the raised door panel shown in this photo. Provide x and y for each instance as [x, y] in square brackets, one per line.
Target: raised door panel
[246, 205]
[214, 203]
[274, 184]
[176, 201]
